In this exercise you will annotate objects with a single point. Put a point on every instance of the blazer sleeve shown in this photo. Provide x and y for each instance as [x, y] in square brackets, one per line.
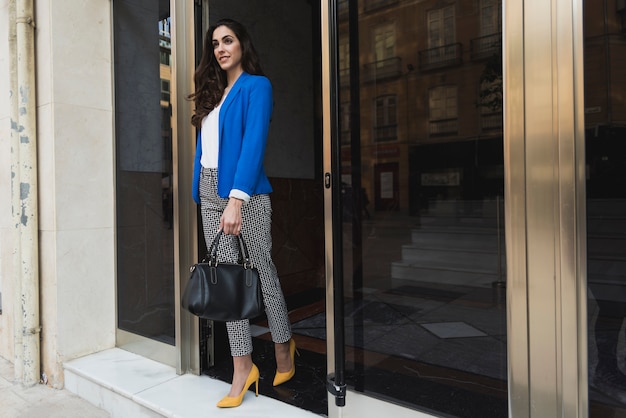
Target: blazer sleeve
[195, 186]
[257, 123]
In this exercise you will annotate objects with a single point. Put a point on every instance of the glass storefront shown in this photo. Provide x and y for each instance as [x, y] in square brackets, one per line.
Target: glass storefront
[144, 175]
[421, 159]
[605, 148]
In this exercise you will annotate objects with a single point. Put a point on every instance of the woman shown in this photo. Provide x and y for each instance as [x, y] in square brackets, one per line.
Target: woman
[234, 103]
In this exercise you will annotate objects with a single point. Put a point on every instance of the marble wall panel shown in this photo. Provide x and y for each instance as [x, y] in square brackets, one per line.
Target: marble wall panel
[81, 53]
[85, 291]
[83, 167]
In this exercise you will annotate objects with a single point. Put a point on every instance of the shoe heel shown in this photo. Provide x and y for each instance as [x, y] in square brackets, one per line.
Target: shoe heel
[257, 387]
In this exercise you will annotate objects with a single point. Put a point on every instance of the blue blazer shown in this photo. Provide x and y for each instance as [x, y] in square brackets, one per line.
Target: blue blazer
[243, 127]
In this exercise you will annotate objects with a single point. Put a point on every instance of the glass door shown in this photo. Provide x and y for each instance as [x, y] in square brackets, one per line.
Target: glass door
[418, 242]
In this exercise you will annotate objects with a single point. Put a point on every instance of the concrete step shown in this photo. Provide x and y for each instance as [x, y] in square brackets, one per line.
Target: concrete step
[609, 267]
[466, 239]
[475, 261]
[606, 226]
[402, 271]
[459, 221]
[611, 208]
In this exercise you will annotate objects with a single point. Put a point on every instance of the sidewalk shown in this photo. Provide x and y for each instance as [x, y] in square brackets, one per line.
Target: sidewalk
[38, 401]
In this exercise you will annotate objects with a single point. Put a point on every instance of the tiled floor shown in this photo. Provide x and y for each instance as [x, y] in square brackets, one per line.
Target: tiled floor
[306, 390]
[127, 385]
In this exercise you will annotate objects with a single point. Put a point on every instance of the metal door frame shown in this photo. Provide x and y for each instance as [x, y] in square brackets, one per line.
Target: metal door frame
[185, 211]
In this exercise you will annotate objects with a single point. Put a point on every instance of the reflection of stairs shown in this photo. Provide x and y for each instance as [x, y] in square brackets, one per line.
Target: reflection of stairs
[457, 243]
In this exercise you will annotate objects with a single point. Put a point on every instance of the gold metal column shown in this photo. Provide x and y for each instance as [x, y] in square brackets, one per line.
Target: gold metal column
[544, 164]
[185, 222]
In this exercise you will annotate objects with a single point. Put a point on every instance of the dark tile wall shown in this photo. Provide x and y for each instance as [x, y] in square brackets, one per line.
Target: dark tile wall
[298, 233]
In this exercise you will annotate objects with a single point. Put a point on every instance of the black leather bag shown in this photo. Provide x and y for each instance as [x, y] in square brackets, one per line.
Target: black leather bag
[224, 291]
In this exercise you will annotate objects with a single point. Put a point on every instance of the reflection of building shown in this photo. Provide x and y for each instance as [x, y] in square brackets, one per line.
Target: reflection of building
[424, 88]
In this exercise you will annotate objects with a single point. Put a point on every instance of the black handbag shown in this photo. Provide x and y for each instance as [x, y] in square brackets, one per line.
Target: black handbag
[224, 291]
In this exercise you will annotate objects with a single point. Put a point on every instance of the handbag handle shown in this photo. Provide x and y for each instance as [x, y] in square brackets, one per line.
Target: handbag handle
[244, 257]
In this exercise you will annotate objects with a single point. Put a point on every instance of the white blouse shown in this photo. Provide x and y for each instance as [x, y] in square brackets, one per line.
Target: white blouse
[209, 135]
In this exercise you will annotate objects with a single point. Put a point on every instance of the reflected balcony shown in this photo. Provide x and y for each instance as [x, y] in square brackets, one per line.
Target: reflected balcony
[369, 5]
[444, 56]
[385, 133]
[443, 127]
[491, 121]
[380, 70]
[486, 46]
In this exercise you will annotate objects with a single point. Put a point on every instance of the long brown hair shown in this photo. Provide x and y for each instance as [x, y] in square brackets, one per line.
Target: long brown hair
[210, 80]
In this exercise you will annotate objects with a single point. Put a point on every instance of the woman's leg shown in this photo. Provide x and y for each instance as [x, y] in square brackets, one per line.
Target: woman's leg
[283, 357]
[257, 224]
[241, 369]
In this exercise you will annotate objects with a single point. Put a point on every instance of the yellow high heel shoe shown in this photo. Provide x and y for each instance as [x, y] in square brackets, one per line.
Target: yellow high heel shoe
[282, 377]
[233, 401]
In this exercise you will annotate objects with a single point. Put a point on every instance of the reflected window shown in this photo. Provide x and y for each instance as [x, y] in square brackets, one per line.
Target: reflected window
[441, 34]
[384, 44]
[490, 17]
[165, 90]
[386, 125]
[442, 103]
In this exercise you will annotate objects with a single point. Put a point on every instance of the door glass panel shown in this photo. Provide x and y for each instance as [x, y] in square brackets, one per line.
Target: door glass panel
[605, 147]
[423, 211]
[144, 212]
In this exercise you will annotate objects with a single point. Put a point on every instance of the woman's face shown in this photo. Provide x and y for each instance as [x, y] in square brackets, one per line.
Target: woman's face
[227, 49]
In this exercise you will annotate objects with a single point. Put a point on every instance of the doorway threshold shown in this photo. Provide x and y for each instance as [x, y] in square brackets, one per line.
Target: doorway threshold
[306, 390]
[126, 384]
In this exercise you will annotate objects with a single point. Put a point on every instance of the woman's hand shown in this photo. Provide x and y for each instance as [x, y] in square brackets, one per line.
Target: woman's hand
[230, 222]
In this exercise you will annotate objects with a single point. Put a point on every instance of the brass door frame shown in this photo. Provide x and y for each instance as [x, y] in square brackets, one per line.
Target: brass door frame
[185, 212]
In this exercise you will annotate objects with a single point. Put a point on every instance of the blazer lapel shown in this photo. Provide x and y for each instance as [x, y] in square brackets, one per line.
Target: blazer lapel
[230, 98]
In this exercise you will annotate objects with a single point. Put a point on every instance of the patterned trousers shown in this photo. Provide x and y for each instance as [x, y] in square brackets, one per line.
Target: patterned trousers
[256, 230]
